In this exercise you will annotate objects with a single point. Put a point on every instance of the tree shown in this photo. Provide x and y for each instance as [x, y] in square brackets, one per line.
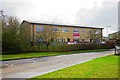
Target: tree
[47, 35]
[24, 37]
[10, 39]
[95, 35]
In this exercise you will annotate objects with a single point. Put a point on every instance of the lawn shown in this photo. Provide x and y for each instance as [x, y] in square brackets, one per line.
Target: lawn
[104, 67]
[42, 54]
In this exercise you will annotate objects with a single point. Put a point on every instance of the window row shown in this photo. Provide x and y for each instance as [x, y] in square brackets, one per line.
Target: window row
[63, 40]
[39, 29]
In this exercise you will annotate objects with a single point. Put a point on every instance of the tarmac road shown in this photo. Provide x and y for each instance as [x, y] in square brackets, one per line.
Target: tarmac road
[27, 68]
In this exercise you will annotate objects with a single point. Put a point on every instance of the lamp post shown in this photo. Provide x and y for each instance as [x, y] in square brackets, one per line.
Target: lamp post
[107, 32]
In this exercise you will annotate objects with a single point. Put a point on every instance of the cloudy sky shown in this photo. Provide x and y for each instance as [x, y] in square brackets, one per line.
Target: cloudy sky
[96, 13]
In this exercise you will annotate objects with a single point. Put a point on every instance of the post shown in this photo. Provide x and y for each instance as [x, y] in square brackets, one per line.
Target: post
[115, 49]
[107, 31]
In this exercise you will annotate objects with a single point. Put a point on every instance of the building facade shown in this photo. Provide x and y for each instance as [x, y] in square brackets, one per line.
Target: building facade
[65, 33]
[115, 36]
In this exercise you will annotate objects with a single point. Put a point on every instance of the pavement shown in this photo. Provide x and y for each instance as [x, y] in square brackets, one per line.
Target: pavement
[27, 68]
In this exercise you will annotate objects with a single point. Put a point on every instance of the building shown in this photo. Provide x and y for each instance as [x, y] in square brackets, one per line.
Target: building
[67, 33]
[115, 36]
[105, 38]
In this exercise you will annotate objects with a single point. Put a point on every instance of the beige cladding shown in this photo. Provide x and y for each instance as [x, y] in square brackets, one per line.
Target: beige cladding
[64, 35]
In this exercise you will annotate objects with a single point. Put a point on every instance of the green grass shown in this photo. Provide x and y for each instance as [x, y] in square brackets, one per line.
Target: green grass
[42, 54]
[104, 67]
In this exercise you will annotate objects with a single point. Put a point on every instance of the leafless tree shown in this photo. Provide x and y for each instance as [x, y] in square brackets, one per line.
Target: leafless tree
[95, 35]
[47, 35]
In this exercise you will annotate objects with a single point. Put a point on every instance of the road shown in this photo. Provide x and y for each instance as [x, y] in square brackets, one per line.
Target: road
[27, 68]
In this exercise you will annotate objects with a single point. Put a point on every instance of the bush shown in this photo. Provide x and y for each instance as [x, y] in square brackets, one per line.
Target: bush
[38, 49]
[111, 43]
[72, 47]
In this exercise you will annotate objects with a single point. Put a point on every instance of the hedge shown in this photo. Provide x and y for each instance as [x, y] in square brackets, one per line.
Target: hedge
[70, 47]
[62, 48]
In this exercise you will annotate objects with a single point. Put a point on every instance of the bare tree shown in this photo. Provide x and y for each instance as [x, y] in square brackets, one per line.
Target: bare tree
[95, 35]
[47, 35]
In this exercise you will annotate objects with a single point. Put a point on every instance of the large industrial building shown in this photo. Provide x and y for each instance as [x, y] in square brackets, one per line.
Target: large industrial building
[67, 33]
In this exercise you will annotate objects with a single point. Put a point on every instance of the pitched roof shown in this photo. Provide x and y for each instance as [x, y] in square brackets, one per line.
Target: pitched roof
[39, 23]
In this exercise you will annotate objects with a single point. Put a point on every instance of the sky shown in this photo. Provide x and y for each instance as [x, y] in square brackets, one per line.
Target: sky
[91, 13]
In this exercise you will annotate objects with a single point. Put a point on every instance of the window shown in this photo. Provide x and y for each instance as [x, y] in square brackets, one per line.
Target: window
[57, 40]
[75, 30]
[76, 40]
[39, 39]
[39, 28]
[55, 30]
[90, 40]
[65, 30]
[52, 39]
[63, 40]
[83, 40]
[97, 32]
[90, 32]
[83, 30]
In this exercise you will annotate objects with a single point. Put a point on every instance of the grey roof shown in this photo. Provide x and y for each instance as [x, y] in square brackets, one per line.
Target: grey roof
[32, 22]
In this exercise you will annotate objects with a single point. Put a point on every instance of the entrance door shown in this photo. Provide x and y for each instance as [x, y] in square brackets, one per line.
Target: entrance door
[76, 40]
[68, 40]
[90, 40]
[82, 40]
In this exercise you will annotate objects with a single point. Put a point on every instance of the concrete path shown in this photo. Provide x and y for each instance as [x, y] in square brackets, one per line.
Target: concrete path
[27, 68]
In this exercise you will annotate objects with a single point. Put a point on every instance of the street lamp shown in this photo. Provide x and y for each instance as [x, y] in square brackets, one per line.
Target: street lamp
[107, 30]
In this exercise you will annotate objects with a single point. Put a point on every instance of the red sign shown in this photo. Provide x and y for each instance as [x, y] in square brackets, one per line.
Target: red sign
[76, 34]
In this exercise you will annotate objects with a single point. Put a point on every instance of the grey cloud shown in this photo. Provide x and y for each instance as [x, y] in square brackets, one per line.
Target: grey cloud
[18, 9]
[104, 16]
[107, 15]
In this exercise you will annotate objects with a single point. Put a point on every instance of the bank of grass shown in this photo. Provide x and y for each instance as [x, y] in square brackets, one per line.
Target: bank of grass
[43, 54]
[104, 67]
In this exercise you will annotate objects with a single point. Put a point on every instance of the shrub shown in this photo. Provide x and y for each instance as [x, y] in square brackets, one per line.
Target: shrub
[111, 43]
[38, 49]
[71, 47]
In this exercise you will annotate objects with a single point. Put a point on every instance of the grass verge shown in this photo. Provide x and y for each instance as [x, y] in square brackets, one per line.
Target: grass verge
[43, 54]
[104, 67]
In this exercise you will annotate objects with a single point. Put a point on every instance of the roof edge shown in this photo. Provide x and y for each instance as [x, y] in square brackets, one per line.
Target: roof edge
[59, 25]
